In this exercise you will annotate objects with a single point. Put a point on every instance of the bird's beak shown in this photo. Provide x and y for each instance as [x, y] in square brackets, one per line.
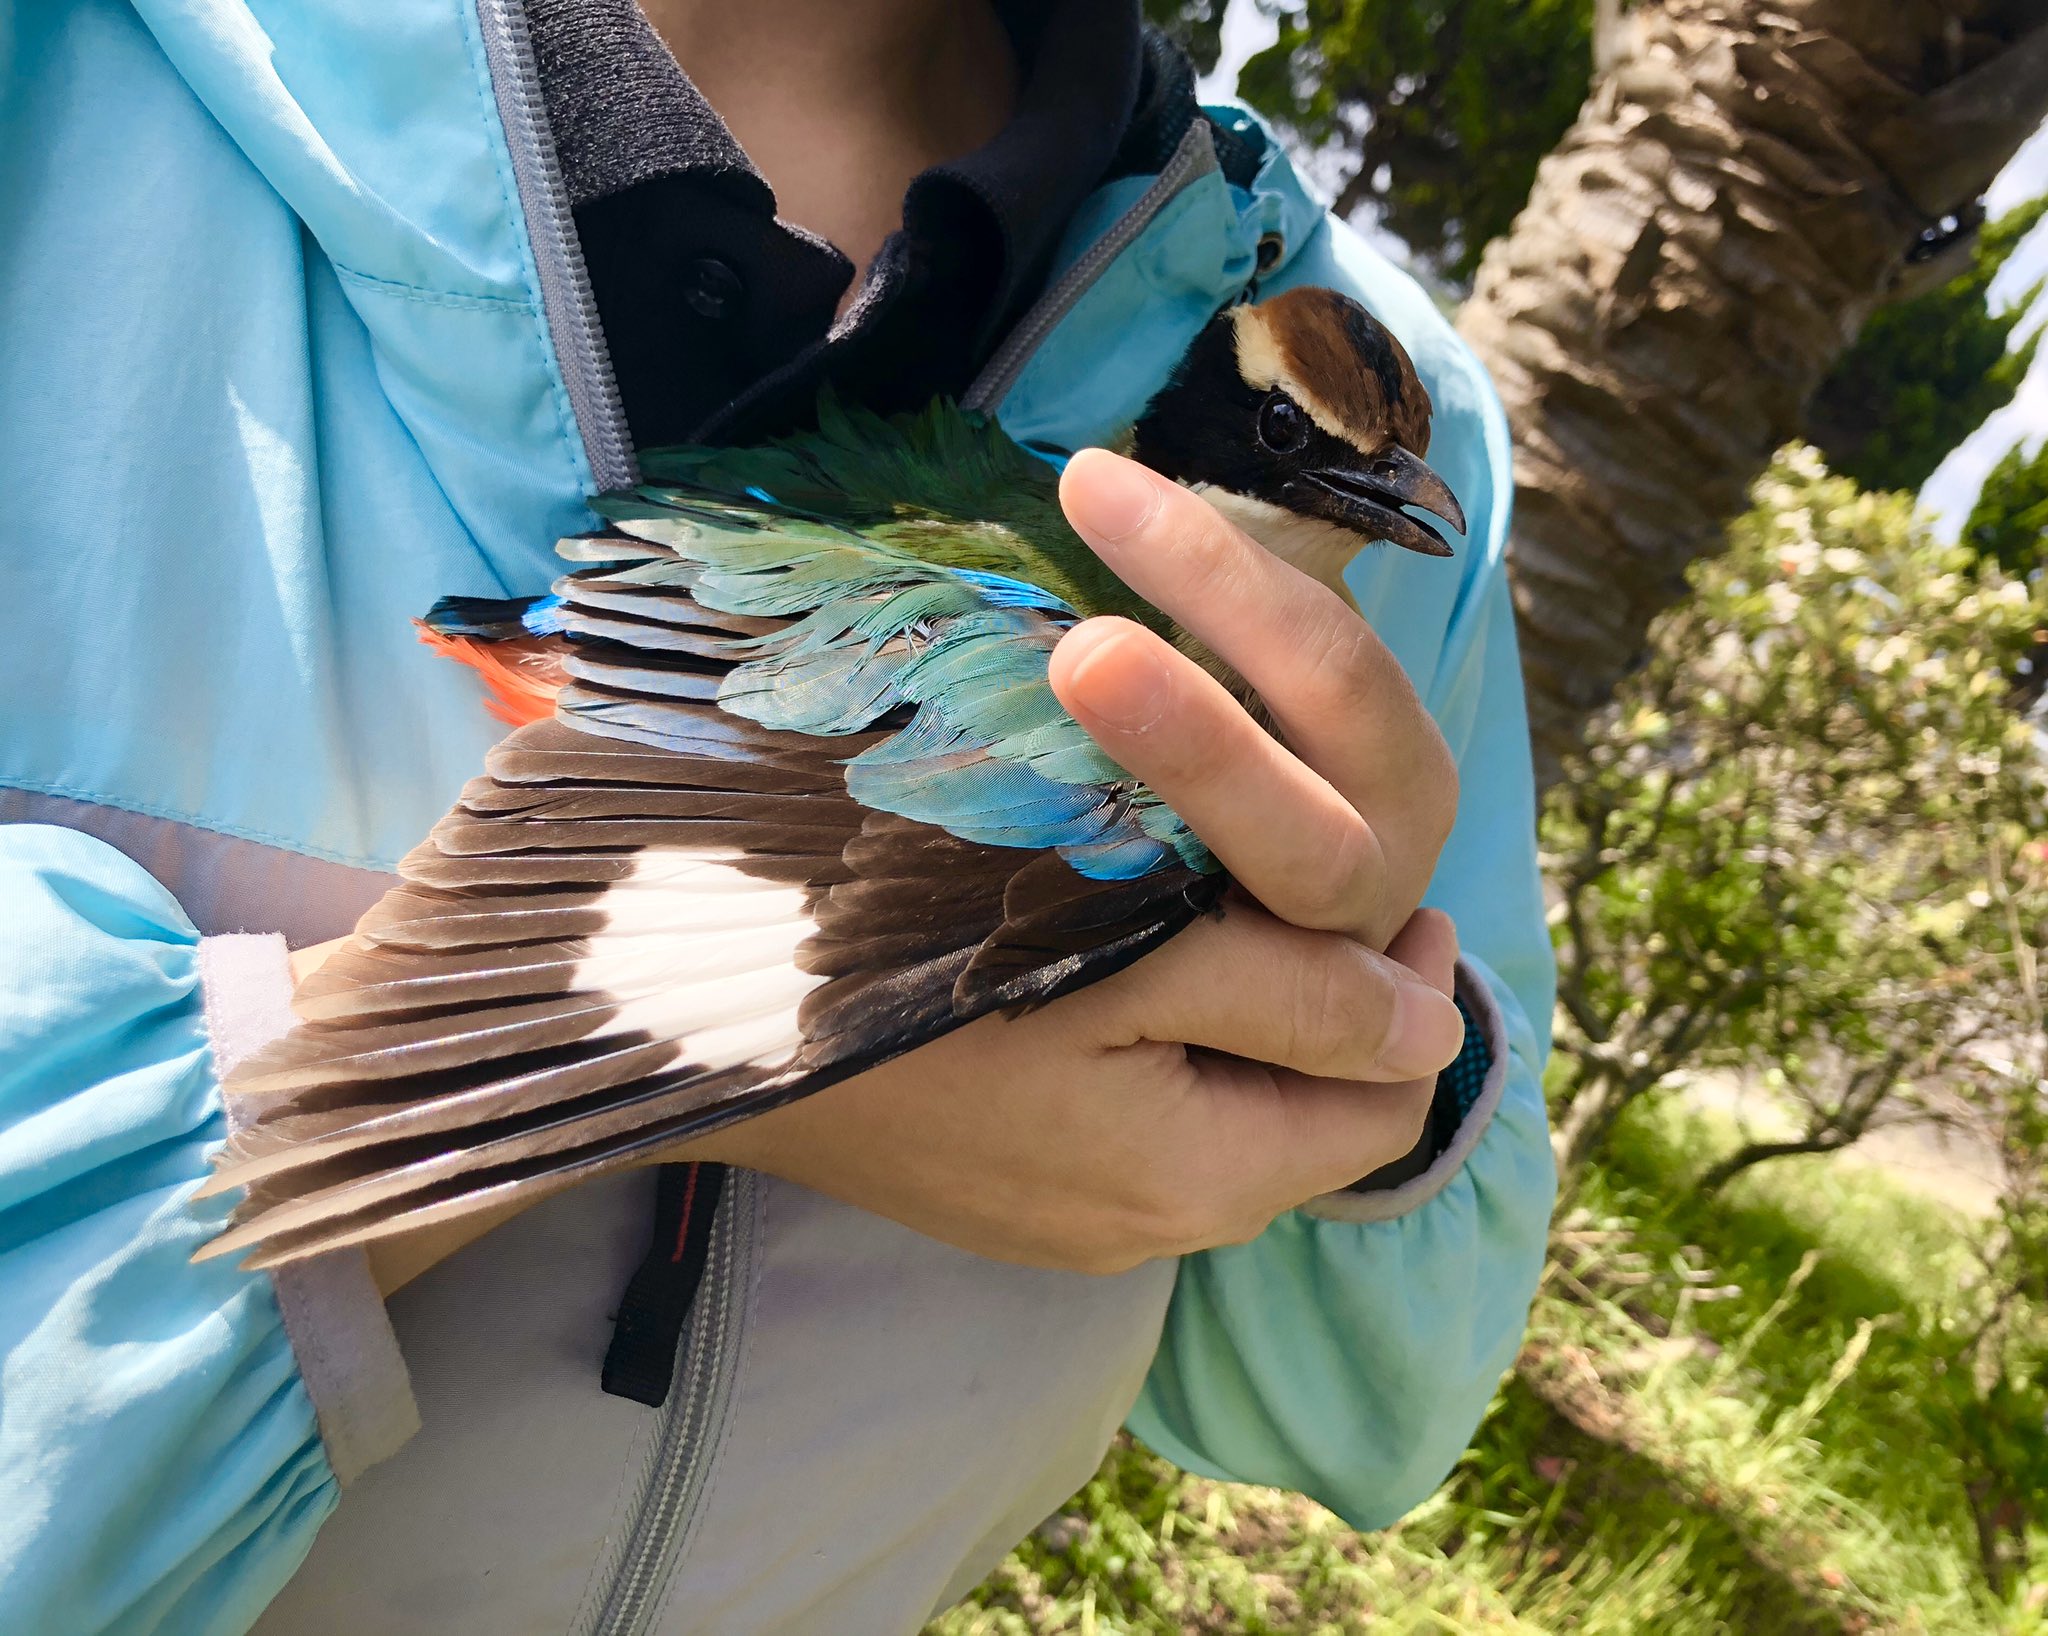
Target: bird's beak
[1369, 498]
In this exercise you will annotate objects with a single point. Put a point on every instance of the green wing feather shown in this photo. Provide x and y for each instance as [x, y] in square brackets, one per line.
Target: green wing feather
[943, 484]
[945, 598]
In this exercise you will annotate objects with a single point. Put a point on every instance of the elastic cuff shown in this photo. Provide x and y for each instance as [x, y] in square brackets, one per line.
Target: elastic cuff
[1476, 996]
[341, 1335]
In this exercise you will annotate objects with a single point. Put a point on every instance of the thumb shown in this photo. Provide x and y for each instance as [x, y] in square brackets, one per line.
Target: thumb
[1428, 946]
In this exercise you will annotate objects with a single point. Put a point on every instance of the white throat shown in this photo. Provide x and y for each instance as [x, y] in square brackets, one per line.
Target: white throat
[1322, 550]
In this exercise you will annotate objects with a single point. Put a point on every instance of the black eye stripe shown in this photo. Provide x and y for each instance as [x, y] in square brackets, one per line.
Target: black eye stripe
[1376, 347]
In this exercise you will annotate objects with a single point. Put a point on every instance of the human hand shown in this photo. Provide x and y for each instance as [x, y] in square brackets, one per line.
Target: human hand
[1240, 1070]
[1336, 829]
[1104, 1130]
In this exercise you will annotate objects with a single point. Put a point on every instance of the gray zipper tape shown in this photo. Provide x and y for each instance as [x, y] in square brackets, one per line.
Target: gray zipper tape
[558, 258]
[698, 1402]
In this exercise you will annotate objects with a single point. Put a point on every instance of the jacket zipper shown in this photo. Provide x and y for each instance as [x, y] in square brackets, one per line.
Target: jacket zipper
[697, 1403]
[1193, 158]
[571, 309]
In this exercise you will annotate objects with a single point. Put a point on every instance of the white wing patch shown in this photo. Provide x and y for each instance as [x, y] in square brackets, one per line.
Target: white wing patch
[697, 950]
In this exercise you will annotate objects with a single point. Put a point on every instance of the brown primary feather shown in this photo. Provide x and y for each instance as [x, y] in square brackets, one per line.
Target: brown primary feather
[457, 1052]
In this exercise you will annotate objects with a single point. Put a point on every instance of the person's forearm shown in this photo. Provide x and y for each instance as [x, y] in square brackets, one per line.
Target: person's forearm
[235, 1413]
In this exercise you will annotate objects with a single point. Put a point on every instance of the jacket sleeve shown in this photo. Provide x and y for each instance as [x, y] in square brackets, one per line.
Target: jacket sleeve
[1350, 1351]
[162, 1457]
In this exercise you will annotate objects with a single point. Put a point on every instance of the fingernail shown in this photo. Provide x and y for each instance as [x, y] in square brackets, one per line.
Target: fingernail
[1115, 498]
[1122, 681]
[1426, 1034]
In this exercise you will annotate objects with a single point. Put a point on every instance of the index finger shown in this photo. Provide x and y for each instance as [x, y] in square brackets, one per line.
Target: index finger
[1300, 645]
[1284, 833]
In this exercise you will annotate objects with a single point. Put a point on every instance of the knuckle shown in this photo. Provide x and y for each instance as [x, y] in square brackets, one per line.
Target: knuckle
[1210, 549]
[1439, 791]
[1348, 665]
[1162, 1214]
[1341, 890]
[1170, 1227]
[1107, 1261]
[1340, 1013]
[1110, 1238]
[1204, 1229]
[1369, 1013]
[1182, 746]
[1302, 1014]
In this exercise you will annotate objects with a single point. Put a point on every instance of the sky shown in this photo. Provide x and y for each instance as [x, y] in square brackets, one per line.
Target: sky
[1952, 490]
[1246, 32]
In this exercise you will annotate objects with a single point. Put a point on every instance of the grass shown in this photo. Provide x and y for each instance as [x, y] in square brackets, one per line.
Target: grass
[1720, 1424]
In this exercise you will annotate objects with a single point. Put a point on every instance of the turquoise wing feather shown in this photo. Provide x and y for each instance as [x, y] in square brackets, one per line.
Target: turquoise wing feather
[877, 629]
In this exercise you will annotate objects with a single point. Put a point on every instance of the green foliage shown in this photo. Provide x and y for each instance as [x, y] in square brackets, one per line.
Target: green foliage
[1445, 105]
[1196, 24]
[1791, 839]
[2010, 521]
[1728, 1418]
[1925, 373]
[1806, 841]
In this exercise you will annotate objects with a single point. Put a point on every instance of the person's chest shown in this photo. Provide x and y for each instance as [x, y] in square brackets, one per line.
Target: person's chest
[724, 319]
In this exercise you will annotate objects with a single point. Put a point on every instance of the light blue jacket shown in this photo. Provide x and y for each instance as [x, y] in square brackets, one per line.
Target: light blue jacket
[293, 341]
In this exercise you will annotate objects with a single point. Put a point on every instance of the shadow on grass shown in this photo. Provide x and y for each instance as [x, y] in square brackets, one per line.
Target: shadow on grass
[1621, 1503]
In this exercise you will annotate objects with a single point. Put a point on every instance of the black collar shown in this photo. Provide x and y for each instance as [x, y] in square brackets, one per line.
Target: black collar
[667, 204]
[623, 112]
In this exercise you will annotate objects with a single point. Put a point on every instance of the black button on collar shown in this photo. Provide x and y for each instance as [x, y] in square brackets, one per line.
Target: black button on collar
[710, 287]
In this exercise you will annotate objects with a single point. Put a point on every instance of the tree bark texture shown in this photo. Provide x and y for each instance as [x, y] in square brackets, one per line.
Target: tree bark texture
[1751, 1154]
[1582, 1127]
[1741, 190]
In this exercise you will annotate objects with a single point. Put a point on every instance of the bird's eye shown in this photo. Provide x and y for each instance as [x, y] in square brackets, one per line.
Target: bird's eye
[1283, 427]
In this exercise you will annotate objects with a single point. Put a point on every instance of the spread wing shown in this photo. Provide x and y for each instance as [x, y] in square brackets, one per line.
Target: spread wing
[807, 802]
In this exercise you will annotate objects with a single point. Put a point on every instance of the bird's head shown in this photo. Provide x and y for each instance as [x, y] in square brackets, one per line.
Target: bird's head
[1303, 420]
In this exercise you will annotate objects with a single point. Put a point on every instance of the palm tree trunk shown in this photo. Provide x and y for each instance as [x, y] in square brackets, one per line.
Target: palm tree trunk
[1740, 191]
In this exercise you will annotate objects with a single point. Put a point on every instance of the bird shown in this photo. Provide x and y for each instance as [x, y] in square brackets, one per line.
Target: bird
[787, 791]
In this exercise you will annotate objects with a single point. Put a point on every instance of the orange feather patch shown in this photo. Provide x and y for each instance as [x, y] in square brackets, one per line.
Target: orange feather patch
[523, 675]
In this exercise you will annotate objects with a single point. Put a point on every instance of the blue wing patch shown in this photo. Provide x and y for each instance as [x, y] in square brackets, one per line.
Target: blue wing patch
[987, 754]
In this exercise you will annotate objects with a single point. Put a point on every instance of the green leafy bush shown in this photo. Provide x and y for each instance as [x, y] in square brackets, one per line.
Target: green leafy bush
[1796, 838]
[1808, 841]
[1926, 372]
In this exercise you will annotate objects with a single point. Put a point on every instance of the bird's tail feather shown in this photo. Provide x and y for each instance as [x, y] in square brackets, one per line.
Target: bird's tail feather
[486, 618]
